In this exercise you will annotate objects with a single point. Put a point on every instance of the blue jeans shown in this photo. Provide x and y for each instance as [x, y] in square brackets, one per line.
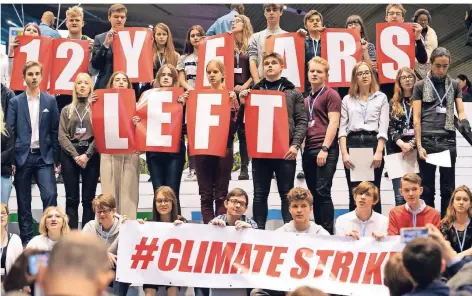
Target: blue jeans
[166, 169]
[46, 181]
[399, 200]
[6, 189]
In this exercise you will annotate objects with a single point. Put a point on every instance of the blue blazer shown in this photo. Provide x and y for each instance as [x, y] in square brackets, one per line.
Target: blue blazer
[18, 119]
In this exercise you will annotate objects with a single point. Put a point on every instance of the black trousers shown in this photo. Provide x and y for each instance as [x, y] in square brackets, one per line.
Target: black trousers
[71, 172]
[363, 140]
[262, 172]
[242, 137]
[319, 181]
[447, 178]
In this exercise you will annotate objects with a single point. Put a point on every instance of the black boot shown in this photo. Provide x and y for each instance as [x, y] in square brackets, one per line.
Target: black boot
[244, 174]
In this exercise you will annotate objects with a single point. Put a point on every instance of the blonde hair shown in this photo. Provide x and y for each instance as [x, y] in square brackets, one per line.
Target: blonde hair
[399, 6]
[243, 45]
[110, 81]
[170, 55]
[4, 206]
[310, 14]
[117, 8]
[354, 88]
[321, 61]
[397, 109]
[174, 73]
[72, 106]
[3, 126]
[75, 11]
[65, 221]
[219, 65]
[104, 200]
[364, 187]
[451, 215]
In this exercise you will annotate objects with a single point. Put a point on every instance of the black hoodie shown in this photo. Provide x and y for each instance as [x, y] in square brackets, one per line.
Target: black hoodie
[297, 115]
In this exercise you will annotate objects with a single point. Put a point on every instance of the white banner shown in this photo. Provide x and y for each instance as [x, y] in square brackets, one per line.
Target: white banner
[209, 256]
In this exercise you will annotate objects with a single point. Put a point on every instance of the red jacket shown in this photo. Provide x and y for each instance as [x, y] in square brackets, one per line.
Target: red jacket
[400, 217]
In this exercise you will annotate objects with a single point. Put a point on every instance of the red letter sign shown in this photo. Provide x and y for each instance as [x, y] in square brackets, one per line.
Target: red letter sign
[266, 124]
[291, 46]
[132, 53]
[395, 49]
[160, 128]
[219, 47]
[29, 50]
[112, 119]
[342, 49]
[71, 58]
[208, 113]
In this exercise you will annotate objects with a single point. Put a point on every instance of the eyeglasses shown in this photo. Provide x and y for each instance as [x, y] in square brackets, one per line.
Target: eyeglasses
[103, 211]
[362, 74]
[410, 77]
[392, 13]
[238, 202]
[235, 21]
[163, 201]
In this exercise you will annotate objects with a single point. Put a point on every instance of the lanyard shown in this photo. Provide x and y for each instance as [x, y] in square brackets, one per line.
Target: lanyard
[364, 110]
[236, 56]
[436, 91]
[315, 48]
[161, 62]
[408, 116]
[461, 244]
[278, 88]
[81, 118]
[310, 108]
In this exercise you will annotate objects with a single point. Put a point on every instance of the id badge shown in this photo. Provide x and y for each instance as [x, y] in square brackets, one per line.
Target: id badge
[311, 123]
[238, 70]
[441, 110]
[408, 132]
[3, 272]
[80, 130]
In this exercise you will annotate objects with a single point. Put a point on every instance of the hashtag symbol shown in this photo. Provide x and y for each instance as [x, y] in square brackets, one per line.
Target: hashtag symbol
[142, 248]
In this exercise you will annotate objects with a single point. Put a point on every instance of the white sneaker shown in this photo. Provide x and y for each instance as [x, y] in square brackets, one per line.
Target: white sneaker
[192, 176]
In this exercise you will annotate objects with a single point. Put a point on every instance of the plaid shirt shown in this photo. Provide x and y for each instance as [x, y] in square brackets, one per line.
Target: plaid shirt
[243, 218]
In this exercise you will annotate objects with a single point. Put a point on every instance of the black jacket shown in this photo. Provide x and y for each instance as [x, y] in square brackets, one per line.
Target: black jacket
[7, 94]
[8, 152]
[297, 115]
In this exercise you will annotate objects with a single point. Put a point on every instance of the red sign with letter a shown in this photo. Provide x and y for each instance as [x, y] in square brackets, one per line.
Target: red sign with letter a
[266, 122]
[395, 49]
[208, 114]
[29, 50]
[220, 47]
[112, 119]
[160, 128]
[291, 46]
[132, 53]
[71, 58]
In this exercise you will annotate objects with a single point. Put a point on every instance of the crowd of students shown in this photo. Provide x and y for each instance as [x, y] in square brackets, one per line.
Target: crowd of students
[42, 135]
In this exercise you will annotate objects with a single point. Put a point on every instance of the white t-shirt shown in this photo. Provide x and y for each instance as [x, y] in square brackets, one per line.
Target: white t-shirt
[188, 64]
[349, 222]
[41, 242]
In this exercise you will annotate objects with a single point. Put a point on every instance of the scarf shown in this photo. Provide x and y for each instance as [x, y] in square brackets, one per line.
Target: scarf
[429, 95]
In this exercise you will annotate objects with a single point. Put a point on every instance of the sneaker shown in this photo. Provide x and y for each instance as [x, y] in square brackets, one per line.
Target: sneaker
[192, 176]
[59, 179]
[301, 175]
[244, 174]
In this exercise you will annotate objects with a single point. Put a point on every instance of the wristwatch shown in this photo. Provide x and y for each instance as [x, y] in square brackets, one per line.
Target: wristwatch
[324, 148]
[89, 155]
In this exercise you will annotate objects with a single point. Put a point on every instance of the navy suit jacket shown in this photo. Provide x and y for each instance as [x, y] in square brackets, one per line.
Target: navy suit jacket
[18, 119]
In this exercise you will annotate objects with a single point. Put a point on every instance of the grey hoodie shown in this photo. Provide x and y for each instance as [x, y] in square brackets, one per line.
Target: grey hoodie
[110, 237]
[312, 229]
